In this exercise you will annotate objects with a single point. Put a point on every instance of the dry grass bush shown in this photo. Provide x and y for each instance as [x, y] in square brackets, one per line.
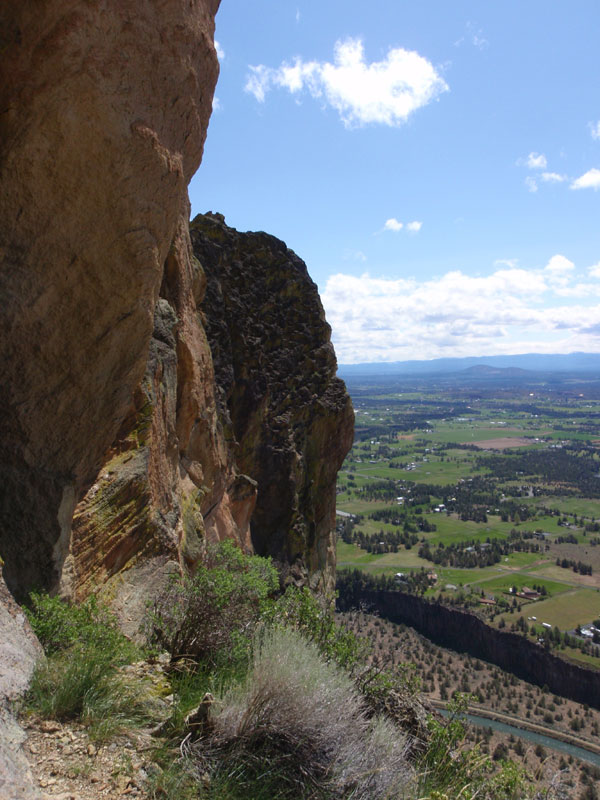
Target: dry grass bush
[299, 724]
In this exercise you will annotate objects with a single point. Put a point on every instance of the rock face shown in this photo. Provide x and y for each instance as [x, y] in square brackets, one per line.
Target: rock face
[104, 107]
[237, 430]
[287, 417]
[129, 437]
[19, 650]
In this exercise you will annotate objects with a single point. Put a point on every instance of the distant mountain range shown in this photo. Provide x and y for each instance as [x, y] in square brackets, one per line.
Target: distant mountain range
[557, 362]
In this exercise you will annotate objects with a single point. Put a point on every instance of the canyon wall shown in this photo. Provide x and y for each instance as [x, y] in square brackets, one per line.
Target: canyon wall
[122, 452]
[464, 632]
[104, 108]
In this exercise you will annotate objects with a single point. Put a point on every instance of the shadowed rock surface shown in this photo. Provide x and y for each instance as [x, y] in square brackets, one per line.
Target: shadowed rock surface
[287, 416]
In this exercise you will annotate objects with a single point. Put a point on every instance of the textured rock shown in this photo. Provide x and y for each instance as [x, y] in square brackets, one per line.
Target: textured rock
[169, 479]
[247, 449]
[19, 650]
[104, 107]
[288, 418]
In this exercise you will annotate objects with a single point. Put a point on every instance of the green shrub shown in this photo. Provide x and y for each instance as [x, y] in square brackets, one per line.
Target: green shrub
[60, 625]
[79, 679]
[313, 619]
[214, 612]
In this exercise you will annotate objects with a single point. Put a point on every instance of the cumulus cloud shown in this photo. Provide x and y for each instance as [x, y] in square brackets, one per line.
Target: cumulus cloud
[382, 92]
[510, 310]
[536, 161]
[589, 180]
[396, 226]
[559, 270]
[531, 184]
[553, 177]
[595, 129]
[220, 51]
[594, 270]
[392, 224]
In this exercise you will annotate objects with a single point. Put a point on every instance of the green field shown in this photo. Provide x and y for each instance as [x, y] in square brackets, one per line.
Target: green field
[519, 413]
[566, 611]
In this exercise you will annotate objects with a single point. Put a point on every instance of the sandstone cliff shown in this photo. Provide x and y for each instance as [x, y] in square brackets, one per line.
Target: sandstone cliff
[104, 107]
[110, 411]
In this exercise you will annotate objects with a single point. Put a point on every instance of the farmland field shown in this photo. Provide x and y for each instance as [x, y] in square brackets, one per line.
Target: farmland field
[488, 493]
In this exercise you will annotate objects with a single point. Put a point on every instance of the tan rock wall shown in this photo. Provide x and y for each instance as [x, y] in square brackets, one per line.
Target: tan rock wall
[104, 107]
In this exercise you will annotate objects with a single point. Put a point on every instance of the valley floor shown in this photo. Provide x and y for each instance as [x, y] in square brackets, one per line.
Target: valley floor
[443, 672]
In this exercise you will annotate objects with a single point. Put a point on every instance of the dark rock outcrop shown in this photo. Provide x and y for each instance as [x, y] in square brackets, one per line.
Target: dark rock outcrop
[288, 418]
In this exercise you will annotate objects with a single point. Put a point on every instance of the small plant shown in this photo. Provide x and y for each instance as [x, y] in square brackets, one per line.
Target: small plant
[297, 727]
[79, 679]
[212, 615]
[60, 625]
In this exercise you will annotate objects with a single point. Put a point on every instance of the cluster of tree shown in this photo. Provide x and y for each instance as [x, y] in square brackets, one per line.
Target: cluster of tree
[569, 538]
[576, 566]
[465, 554]
[592, 527]
[575, 465]
[384, 541]
[352, 584]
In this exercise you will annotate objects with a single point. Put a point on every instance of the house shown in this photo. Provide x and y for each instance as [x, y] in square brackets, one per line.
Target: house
[528, 594]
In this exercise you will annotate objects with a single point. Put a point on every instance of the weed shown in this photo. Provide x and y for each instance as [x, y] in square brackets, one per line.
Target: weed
[297, 727]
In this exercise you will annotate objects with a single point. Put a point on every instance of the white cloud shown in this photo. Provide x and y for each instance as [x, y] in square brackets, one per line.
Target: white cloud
[220, 51]
[536, 161]
[559, 270]
[216, 104]
[393, 225]
[595, 129]
[594, 270]
[383, 92]
[531, 184]
[589, 180]
[414, 227]
[354, 255]
[510, 310]
[553, 177]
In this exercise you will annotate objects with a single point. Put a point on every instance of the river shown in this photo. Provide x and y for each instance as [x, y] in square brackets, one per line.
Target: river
[532, 736]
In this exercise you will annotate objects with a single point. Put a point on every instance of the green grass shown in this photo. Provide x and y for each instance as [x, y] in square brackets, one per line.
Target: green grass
[588, 507]
[502, 583]
[567, 610]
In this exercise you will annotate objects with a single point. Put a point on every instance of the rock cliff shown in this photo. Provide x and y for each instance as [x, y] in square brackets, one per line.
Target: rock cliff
[129, 438]
[463, 631]
[287, 416]
[104, 107]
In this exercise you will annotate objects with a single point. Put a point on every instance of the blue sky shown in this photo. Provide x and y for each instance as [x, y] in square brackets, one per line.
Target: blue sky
[435, 163]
